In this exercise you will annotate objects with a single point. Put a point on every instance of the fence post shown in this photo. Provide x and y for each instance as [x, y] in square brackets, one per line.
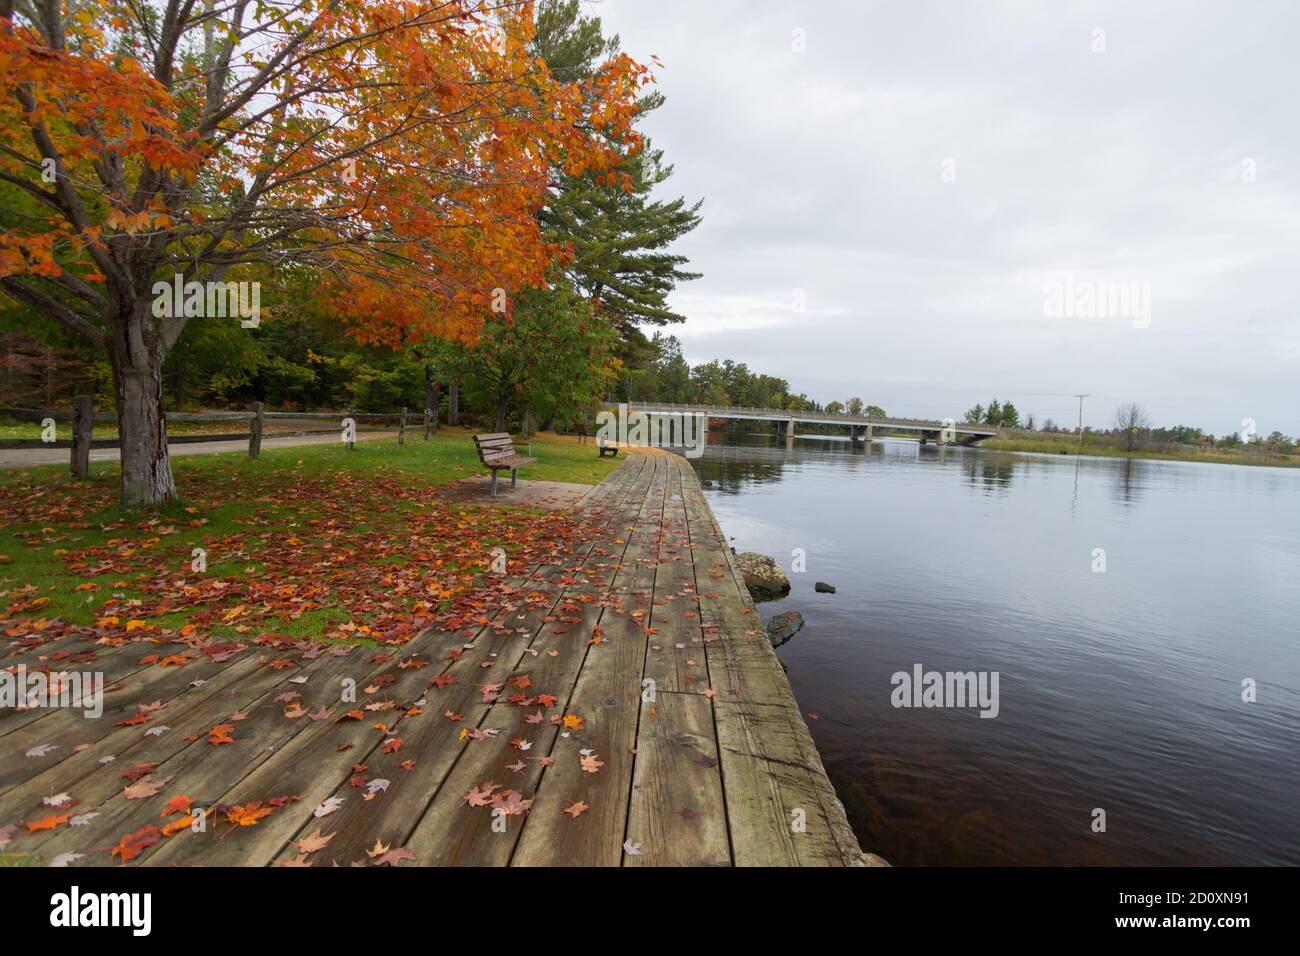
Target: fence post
[401, 428]
[255, 432]
[83, 420]
[352, 414]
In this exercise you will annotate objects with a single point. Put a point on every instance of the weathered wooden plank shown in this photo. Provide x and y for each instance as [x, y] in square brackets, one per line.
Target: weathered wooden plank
[311, 766]
[675, 659]
[774, 801]
[607, 697]
[93, 775]
[453, 832]
[677, 814]
[117, 662]
[67, 728]
[198, 768]
[432, 738]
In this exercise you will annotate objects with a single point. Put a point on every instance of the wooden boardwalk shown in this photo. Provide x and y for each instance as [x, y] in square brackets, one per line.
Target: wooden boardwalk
[622, 709]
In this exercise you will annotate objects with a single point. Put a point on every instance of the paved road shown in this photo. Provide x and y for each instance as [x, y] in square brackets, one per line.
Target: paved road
[27, 457]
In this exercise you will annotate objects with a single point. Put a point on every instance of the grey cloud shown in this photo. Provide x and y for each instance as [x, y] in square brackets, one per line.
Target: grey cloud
[822, 171]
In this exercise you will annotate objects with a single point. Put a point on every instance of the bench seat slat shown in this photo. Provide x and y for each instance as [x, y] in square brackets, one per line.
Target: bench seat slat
[496, 451]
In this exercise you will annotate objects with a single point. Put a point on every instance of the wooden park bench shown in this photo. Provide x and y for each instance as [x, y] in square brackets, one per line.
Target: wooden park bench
[497, 452]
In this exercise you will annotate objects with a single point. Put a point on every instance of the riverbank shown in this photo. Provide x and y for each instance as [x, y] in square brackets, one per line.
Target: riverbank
[1068, 445]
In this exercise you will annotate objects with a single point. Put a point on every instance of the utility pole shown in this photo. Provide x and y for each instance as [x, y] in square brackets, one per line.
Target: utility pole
[1081, 398]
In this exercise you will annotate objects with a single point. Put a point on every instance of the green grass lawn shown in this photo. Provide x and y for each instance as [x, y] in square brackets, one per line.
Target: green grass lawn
[310, 541]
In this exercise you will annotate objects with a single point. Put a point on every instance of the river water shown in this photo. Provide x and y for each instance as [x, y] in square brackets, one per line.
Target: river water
[1119, 691]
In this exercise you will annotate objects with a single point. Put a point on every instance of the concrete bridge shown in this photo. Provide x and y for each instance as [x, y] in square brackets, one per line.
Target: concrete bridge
[861, 427]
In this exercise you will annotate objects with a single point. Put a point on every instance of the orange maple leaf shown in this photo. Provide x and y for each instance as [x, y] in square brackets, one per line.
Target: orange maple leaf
[133, 844]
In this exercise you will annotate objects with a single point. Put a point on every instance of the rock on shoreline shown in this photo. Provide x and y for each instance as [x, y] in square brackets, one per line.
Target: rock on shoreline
[763, 576]
[782, 627]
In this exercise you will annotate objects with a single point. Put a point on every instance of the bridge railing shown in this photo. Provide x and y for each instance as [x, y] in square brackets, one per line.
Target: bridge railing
[724, 411]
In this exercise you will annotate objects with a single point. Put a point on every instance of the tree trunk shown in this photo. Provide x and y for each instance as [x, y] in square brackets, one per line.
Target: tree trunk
[178, 384]
[137, 380]
[503, 406]
[432, 390]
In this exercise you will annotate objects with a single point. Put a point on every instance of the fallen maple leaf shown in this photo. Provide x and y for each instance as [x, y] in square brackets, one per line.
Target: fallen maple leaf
[47, 823]
[511, 803]
[248, 814]
[328, 806]
[313, 842]
[395, 857]
[133, 844]
[176, 805]
[148, 787]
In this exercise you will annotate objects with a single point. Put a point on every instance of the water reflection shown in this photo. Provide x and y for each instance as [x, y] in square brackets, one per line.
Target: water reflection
[1129, 477]
[989, 472]
[1113, 685]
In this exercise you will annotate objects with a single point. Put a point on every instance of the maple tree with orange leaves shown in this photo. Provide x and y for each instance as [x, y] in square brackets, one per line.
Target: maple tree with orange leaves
[403, 149]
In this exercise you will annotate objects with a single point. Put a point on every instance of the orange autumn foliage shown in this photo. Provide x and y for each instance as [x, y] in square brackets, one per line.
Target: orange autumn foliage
[402, 147]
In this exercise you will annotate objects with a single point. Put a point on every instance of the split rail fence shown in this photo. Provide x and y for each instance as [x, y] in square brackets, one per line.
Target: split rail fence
[84, 417]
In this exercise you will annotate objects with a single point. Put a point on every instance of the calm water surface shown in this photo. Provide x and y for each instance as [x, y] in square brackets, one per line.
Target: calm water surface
[1119, 690]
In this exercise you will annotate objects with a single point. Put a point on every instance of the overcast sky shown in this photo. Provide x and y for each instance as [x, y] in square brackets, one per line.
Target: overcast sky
[922, 174]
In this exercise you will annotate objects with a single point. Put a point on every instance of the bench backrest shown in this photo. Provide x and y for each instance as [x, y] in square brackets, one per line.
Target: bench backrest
[494, 448]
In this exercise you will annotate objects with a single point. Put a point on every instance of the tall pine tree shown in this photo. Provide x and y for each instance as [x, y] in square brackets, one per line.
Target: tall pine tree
[619, 236]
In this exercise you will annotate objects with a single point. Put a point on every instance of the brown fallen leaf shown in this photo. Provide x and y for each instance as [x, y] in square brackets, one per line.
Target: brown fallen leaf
[394, 857]
[148, 787]
[575, 809]
[313, 842]
[511, 803]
